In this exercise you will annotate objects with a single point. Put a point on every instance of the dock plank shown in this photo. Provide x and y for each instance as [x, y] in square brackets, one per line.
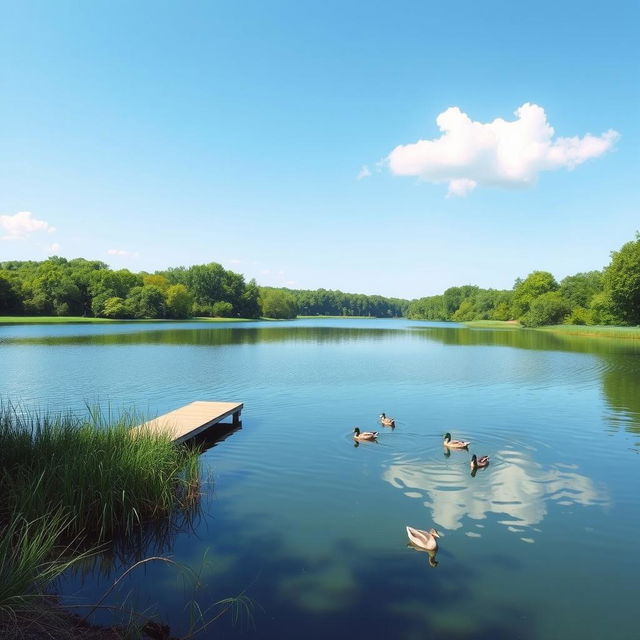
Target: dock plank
[188, 421]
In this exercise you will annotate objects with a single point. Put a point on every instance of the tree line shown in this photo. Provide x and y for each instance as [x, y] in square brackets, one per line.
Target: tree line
[610, 296]
[80, 287]
[89, 288]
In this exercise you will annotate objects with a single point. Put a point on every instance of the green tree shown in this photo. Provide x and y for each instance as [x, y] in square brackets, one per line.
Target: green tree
[10, 299]
[147, 301]
[278, 304]
[222, 309]
[548, 308]
[115, 308]
[622, 282]
[179, 301]
[527, 290]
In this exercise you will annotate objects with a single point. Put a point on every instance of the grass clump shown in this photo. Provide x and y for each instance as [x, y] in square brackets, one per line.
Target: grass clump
[102, 479]
[68, 484]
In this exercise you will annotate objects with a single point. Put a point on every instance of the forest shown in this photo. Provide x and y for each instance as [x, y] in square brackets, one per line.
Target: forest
[607, 297]
[89, 288]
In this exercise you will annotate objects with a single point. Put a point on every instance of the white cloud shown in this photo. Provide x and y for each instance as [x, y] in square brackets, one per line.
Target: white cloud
[22, 225]
[54, 247]
[122, 252]
[499, 153]
[364, 172]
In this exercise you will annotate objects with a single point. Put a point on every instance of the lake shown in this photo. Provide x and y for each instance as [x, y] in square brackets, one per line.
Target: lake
[539, 545]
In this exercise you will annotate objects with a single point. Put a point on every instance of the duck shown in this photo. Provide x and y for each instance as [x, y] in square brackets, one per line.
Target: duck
[387, 422]
[364, 436]
[479, 463]
[454, 444]
[426, 540]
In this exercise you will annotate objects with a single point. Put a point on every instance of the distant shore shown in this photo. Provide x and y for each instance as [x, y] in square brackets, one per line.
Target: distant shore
[85, 320]
[580, 330]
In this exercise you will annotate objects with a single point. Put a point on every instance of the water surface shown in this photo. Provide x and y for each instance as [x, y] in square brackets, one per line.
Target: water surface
[539, 545]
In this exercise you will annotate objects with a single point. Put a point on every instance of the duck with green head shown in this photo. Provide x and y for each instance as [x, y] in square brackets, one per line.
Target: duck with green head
[454, 444]
[364, 436]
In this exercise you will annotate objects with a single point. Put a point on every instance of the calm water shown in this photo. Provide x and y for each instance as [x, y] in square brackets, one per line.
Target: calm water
[541, 544]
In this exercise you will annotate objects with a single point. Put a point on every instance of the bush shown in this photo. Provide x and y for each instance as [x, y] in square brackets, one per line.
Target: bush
[222, 309]
[549, 308]
[579, 315]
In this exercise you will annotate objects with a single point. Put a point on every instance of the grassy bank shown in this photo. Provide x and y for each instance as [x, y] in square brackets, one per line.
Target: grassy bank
[599, 331]
[585, 331]
[493, 324]
[67, 484]
[83, 320]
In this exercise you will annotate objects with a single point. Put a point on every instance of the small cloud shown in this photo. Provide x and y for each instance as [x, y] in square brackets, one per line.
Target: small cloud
[499, 153]
[55, 247]
[122, 252]
[364, 172]
[461, 187]
[21, 225]
[235, 261]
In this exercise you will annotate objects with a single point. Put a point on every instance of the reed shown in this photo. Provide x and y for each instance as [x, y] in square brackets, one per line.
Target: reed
[104, 481]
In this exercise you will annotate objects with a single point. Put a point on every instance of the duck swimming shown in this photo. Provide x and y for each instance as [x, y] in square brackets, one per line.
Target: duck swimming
[387, 422]
[426, 540]
[364, 436]
[454, 444]
[479, 463]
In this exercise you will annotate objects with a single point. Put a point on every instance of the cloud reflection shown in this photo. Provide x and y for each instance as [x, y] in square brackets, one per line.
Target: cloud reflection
[515, 487]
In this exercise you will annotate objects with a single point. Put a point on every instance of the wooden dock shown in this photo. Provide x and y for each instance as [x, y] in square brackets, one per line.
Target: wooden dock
[192, 419]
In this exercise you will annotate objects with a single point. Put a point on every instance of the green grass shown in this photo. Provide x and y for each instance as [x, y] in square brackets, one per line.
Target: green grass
[595, 331]
[83, 320]
[492, 324]
[68, 484]
[52, 320]
[99, 476]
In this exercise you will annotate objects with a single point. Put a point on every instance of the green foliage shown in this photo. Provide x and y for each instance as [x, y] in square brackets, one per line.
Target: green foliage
[579, 316]
[323, 302]
[279, 304]
[147, 301]
[601, 309]
[622, 282]
[179, 301]
[579, 289]
[115, 308]
[222, 309]
[10, 299]
[112, 483]
[473, 304]
[548, 308]
[526, 291]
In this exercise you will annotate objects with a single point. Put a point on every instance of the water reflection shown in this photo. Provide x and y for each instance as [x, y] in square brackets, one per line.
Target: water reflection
[515, 488]
[431, 555]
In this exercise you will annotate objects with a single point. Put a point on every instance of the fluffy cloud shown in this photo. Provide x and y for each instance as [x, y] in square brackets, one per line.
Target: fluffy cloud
[22, 225]
[499, 153]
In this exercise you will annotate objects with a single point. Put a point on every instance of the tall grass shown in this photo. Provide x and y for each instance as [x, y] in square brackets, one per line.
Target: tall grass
[68, 484]
[104, 480]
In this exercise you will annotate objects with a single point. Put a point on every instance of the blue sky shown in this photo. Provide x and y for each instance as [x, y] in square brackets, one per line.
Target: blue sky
[156, 134]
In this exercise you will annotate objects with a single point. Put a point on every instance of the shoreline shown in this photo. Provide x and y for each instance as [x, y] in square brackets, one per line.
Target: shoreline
[616, 332]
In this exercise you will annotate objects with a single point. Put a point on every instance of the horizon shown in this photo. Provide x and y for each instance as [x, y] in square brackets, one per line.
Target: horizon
[387, 151]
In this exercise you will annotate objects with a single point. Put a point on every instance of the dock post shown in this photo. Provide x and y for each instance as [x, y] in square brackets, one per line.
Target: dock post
[236, 418]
